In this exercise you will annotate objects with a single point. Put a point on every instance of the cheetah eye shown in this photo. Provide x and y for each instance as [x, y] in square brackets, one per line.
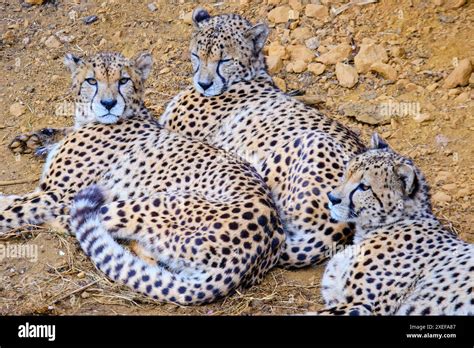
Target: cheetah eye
[91, 81]
[124, 80]
[363, 187]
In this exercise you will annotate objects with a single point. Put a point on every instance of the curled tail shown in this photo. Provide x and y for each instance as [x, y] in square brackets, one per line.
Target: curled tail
[120, 265]
[354, 309]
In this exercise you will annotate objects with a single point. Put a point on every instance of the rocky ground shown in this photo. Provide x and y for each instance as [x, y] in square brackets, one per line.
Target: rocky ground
[401, 68]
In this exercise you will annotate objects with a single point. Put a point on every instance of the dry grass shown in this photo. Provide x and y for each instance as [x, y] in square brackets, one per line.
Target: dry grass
[71, 284]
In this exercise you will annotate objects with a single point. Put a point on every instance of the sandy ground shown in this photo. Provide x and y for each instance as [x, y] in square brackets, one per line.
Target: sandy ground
[61, 280]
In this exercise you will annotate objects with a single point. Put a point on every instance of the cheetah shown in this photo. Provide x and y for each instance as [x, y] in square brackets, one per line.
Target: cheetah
[206, 220]
[403, 262]
[234, 105]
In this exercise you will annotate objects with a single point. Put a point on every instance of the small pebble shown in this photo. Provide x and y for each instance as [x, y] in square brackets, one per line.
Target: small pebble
[90, 19]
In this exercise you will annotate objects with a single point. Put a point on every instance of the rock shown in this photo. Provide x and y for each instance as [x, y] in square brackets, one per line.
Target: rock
[464, 192]
[335, 55]
[152, 7]
[346, 75]
[397, 52]
[52, 42]
[316, 68]
[297, 66]
[453, 92]
[90, 19]
[444, 177]
[17, 109]
[280, 14]
[274, 64]
[423, 117]
[365, 113]
[9, 36]
[188, 18]
[449, 187]
[454, 4]
[463, 97]
[441, 140]
[164, 71]
[276, 49]
[295, 5]
[85, 295]
[317, 11]
[35, 2]
[441, 197]
[311, 99]
[312, 43]
[387, 71]
[301, 33]
[432, 87]
[280, 83]
[460, 75]
[369, 54]
[300, 52]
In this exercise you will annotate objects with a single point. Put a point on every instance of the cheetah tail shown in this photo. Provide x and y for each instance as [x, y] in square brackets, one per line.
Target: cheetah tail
[354, 309]
[122, 266]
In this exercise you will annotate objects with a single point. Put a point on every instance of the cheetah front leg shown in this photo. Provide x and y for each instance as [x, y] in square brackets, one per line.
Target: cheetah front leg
[32, 209]
[38, 142]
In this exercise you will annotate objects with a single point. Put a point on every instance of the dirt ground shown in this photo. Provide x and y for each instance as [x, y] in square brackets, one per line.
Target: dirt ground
[424, 39]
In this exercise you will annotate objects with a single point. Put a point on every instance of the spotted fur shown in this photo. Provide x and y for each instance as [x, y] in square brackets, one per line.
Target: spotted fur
[403, 262]
[298, 151]
[207, 219]
[106, 87]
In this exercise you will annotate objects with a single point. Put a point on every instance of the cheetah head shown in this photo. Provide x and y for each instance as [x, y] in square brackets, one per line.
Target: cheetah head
[107, 86]
[225, 49]
[379, 187]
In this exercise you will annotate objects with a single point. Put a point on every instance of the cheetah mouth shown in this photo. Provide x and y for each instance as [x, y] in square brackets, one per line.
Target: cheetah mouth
[108, 118]
[339, 212]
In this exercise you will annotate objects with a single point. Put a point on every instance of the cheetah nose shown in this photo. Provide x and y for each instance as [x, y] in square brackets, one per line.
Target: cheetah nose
[205, 85]
[108, 103]
[333, 199]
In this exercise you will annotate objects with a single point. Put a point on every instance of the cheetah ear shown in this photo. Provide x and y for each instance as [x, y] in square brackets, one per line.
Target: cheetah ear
[144, 63]
[377, 143]
[72, 62]
[258, 34]
[408, 177]
[199, 15]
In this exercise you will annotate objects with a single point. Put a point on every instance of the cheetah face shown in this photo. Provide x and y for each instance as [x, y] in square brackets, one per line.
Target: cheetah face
[376, 188]
[225, 49]
[107, 86]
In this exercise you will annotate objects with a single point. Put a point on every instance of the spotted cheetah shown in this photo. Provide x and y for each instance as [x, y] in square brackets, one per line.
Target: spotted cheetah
[206, 219]
[403, 261]
[112, 106]
[235, 106]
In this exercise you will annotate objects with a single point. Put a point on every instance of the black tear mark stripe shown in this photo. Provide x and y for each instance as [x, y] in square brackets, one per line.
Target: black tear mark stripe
[378, 200]
[95, 93]
[219, 74]
[124, 100]
[351, 204]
